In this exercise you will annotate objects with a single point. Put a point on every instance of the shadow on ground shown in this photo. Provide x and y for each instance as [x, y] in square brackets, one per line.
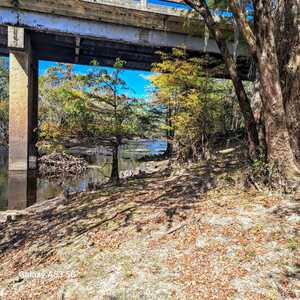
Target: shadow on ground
[174, 192]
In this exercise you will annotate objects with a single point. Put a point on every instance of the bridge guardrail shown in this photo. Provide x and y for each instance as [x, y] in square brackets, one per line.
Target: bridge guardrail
[144, 5]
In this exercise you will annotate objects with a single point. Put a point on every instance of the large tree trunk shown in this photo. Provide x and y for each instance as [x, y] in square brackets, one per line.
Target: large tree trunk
[277, 134]
[257, 107]
[169, 150]
[291, 96]
[114, 177]
[244, 103]
[279, 70]
[288, 37]
[276, 49]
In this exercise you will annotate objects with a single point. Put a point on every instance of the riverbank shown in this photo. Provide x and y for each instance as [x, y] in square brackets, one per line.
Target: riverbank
[192, 232]
[49, 184]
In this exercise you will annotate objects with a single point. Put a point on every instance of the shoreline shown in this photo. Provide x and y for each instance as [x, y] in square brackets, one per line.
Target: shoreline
[134, 238]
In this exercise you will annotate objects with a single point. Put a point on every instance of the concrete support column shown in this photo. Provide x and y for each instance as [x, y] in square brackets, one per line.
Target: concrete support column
[144, 3]
[23, 94]
[22, 189]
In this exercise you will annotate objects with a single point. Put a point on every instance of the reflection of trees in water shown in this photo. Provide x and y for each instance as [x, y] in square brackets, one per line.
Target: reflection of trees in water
[3, 197]
[3, 160]
[99, 173]
[3, 181]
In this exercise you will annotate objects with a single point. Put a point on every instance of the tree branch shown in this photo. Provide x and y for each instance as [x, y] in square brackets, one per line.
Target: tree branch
[240, 17]
[202, 8]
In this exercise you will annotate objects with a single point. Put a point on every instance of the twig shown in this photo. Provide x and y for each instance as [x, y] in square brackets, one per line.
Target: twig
[104, 221]
[177, 228]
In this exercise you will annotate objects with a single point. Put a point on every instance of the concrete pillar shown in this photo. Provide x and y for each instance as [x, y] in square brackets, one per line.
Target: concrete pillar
[23, 94]
[22, 189]
[144, 3]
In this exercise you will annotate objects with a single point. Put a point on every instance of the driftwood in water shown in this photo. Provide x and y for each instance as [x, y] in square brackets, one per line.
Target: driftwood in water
[56, 164]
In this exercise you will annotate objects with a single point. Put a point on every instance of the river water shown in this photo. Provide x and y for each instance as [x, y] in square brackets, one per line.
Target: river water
[19, 190]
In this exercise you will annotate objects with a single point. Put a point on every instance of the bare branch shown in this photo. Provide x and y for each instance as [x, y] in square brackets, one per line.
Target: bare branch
[241, 19]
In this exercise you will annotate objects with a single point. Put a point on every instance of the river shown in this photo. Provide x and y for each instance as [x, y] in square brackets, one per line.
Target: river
[20, 190]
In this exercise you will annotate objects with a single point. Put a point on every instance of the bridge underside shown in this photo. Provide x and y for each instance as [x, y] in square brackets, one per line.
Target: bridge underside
[75, 50]
[77, 32]
[26, 46]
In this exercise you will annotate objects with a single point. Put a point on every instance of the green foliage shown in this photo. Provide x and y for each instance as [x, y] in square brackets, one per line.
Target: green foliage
[92, 107]
[3, 81]
[116, 116]
[196, 105]
[61, 116]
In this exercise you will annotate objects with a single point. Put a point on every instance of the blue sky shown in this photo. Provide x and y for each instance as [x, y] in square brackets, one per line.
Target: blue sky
[166, 3]
[136, 80]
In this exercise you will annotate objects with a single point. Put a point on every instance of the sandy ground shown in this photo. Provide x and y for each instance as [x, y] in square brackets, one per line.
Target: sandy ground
[188, 232]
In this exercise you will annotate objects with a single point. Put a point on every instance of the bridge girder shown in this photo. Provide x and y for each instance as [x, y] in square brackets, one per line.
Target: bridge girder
[60, 31]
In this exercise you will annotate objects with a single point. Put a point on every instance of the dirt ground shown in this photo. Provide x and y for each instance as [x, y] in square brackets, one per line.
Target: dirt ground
[183, 232]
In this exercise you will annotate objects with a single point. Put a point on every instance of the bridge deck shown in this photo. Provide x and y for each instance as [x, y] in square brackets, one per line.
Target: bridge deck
[144, 5]
[77, 31]
[132, 15]
[126, 12]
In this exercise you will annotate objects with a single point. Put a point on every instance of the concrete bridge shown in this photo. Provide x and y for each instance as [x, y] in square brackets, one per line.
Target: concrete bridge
[78, 31]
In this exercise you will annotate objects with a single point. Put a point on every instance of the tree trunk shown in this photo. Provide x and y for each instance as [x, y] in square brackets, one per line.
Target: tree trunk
[288, 37]
[277, 134]
[169, 133]
[258, 112]
[169, 150]
[244, 103]
[115, 164]
[291, 96]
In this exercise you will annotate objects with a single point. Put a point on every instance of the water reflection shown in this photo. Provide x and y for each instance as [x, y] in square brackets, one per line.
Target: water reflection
[19, 190]
[3, 179]
[22, 189]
